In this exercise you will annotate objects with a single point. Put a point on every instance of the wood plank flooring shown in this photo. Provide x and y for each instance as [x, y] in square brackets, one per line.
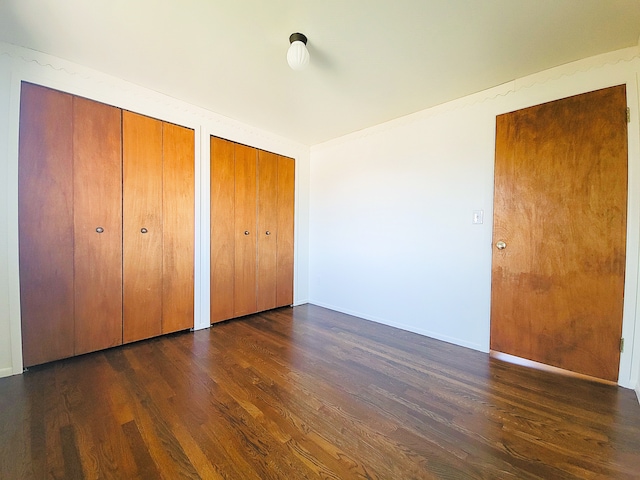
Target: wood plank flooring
[305, 392]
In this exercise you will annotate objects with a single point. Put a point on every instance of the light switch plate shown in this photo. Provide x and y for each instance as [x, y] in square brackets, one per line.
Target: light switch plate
[478, 217]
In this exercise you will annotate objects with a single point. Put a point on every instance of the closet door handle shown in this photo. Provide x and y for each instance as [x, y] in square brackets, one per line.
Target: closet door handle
[246, 232]
[143, 230]
[99, 229]
[267, 232]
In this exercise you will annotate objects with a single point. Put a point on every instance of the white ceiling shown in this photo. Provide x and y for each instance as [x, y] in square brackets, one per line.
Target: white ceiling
[371, 60]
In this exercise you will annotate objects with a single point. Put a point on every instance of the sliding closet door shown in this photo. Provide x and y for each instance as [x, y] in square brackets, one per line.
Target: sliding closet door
[245, 231]
[286, 206]
[45, 216]
[142, 212]
[222, 228]
[276, 175]
[267, 232]
[97, 195]
[178, 220]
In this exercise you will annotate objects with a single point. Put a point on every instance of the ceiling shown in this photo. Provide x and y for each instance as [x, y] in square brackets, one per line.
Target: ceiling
[371, 60]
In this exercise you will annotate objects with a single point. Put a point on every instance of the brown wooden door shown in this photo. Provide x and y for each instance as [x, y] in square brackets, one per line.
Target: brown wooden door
[222, 228]
[178, 229]
[142, 232]
[245, 231]
[285, 207]
[45, 224]
[560, 207]
[267, 232]
[97, 196]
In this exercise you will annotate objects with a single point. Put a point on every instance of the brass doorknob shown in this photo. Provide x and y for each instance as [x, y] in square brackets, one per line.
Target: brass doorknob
[501, 245]
[268, 232]
[143, 230]
[246, 232]
[99, 229]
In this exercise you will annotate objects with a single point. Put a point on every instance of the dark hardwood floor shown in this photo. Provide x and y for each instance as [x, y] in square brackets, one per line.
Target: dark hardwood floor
[309, 393]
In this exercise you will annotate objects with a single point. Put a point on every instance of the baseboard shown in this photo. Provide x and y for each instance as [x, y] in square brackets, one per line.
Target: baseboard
[6, 372]
[638, 391]
[402, 326]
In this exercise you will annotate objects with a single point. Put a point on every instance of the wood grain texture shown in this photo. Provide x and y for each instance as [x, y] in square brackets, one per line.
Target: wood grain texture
[267, 231]
[253, 190]
[560, 205]
[222, 228]
[142, 208]
[244, 291]
[178, 227]
[97, 198]
[286, 207]
[45, 228]
[305, 392]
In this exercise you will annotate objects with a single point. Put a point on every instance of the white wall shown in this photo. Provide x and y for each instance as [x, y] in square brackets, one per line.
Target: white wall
[7, 262]
[18, 64]
[391, 230]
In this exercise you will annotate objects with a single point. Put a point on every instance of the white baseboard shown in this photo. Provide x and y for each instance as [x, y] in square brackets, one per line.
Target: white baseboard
[6, 372]
[401, 326]
[638, 392]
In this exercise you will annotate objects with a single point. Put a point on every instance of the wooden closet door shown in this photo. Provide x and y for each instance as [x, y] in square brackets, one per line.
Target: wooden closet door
[267, 232]
[560, 205]
[285, 253]
[222, 228]
[97, 178]
[45, 224]
[178, 220]
[245, 231]
[142, 214]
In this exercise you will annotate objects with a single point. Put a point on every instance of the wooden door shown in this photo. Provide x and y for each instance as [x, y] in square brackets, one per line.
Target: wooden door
[178, 229]
[244, 291]
[142, 227]
[45, 224]
[560, 207]
[285, 208]
[267, 231]
[97, 197]
[222, 228]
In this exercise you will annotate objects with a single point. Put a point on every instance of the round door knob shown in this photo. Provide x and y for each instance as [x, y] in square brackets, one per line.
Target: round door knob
[144, 230]
[501, 245]
[268, 232]
[99, 229]
[246, 232]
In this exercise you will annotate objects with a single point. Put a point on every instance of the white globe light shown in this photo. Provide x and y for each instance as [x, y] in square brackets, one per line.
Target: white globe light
[298, 55]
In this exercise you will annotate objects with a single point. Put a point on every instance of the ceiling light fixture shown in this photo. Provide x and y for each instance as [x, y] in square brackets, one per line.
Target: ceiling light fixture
[298, 55]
